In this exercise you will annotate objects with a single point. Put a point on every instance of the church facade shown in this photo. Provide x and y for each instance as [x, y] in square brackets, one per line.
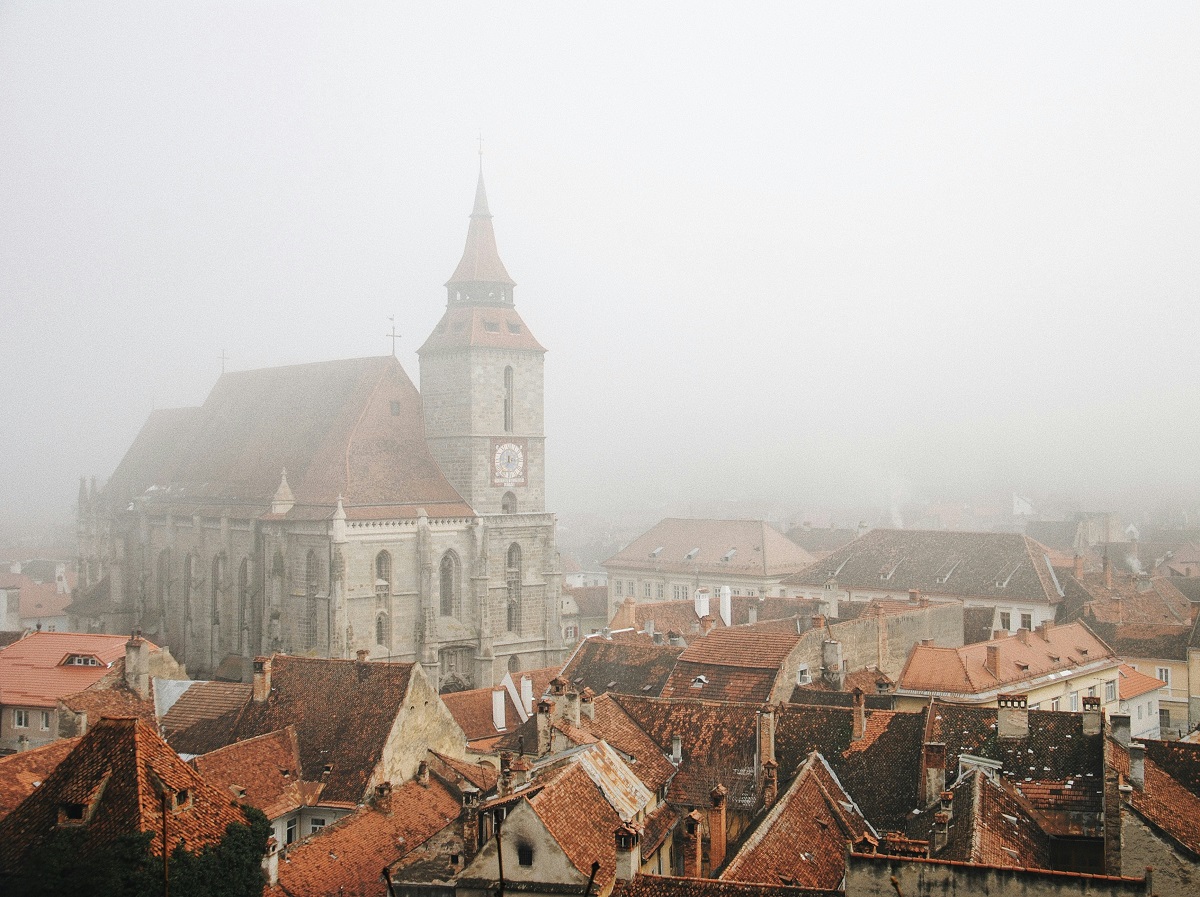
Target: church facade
[331, 508]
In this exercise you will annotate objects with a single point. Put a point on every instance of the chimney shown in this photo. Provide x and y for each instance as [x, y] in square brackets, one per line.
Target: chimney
[947, 798]
[859, 705]
[701, 601]
[692, 840]
[262, 679]
[1120, 728]
[362, 654]
[831, 662]
[770, 782]
[676, 639]
[543, 727]
[571, 707]
[422, 773]
[998, 633]
[558, 686]
[914, 596]
[1137, 765]
[587, 704]
[1093, 717]
[1043, 629]
[498, 715]
[527, 695]
[818, 621]
[941, 831]
[470, 819]
[648, 628]
[752, 612]
[629, 851]
[726, 606]
[934, 762]
[716, 827]
[1012, 716]
[1107, 570]
[519, 769]
[1077, 566]
[707, 624]
[676, 749]
[383, 798]
[991, 662]
[766, 733]
[137, 664]
[505, 781]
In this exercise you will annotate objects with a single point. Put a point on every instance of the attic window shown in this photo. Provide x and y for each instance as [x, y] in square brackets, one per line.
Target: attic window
[728, 556]
[691, 554]
[69, 813]
[183, 799]
[1022, 666]
[1082, 651]
[700, 681]
[1055, 657]
[81, 660]
[395, 409]
[525, 854]
[656, 552]
[803, 676]
[514, 327]
[491, 326]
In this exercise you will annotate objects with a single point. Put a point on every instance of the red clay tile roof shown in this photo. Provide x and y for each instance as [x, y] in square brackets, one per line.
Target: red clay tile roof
[33, 672]
[720, 683]
[480, 261]
[203, 702]
[311, 694]
[758, 549]
[491, 327]
[999, 566]
[1145, 640]
[113, 698]
[576, 813]
[1132, 684]
[803, 838]
[592, 601]
[1022, 657]
[482, 775]
[1135, 599]
[991, 825]
[117, 773]
[42, 599]
[746, 647]
[1166, 801]
[21, 773]
[262, 772]
[330, 424]
[346, 858]
[615, 666]
[664, 886]
[472, 710]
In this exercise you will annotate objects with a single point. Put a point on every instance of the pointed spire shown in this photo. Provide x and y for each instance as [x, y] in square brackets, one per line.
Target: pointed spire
[283, 501]
[481, 205]
[480, 275]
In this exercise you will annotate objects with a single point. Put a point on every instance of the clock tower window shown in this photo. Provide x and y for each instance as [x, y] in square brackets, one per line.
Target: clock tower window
[508, 504]
[513, 579]
[508, 399]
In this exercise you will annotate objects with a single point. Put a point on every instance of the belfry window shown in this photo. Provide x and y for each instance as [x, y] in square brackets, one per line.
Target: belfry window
[508, 504]
[448, 578]
[383, 574]
[513, 578]
[508, 399]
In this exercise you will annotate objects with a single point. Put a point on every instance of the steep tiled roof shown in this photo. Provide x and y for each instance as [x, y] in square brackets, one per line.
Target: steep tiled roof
[115, 776]
[346, 857]
[1149, 640]
[330, 424]
[993, 826]
[480, 261]
[802, 839]
[821, 541]
[1134, 599]
[592, 601]
[472, 710]
[576, 813]
[481, 775]
[999, 566]
[1178, 759]
[42, 599]
[1132, 684]
[1021, 657]
[202, 702]
[490, 327]
[740, 663]
[720, 682]
[311, 694]
[1167, 800]
[624, 667]
[21, 773]
[663, 886]
[112, 699]
[754, 548]
[33, 671]
[262, 772]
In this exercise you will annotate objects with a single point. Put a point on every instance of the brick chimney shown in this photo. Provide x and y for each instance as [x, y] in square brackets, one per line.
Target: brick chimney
[1120, 728]
[587, 704]
[570, 704]
[1093, 716]
[362, 654]
[504, 784]
[693, 838]
[1137, 765]
[1107, 571]
[137, 664]
[766, 733]
[544, 708]
[470, 819]
[1043, 629]
[933, 761]
[831, 664]
[520, 768]
[716, 827]
[422, 776]
[991, 662]
[818, 621]
[947, 803]
[941, 831]
[859, 707]
[629, 851]
[1077, 566]
[262, 679]
[383, 798]
[707, 624]
[1012, 716]
[770, 782]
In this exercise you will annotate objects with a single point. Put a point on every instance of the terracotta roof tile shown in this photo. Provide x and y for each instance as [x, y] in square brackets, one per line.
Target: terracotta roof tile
[758, 549]
[1166, 800]
[262, 772]
[1132, 684]
[592, 601]
[202, 702]
[576, 813]
[21, 773]
[34, 671]
[492, 327]
[116, 773]
[663, 886]
[624, 667]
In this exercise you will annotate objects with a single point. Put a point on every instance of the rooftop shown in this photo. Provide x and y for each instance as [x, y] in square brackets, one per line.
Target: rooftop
[712, 547]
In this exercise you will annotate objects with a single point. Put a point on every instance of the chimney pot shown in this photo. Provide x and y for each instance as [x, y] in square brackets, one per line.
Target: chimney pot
[1012, 716]
[262, 679]
[1120, 728]
[362, 654]
[1137, 765]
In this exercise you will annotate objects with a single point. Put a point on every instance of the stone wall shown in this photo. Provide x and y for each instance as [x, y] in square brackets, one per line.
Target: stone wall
[1176, 873]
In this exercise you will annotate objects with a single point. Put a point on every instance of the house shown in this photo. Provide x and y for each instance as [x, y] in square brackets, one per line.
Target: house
[1055, 667]
[679, 556]
[626, 667]
[44, 667]
[1010, 573]
[1140, 699]
[485, 714]
[22, 773]
[686, 620]
[358, 723]
[585, 610]
[327, 508]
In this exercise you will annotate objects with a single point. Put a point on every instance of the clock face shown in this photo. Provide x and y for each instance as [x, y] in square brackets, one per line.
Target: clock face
[508, 463]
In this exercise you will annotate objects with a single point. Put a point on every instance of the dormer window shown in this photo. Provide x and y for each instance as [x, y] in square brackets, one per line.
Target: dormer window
[72, 814]
[81, 660]
[700, 681]
[491, 326]
[183, 799]
[656, 552]
[728, 556]
[691, 555]
[514, 327]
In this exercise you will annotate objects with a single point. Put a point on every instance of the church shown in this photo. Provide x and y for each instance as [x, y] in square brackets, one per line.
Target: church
[330, 508]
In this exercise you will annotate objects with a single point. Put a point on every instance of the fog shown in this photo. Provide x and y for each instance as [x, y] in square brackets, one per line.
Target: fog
[811, 258]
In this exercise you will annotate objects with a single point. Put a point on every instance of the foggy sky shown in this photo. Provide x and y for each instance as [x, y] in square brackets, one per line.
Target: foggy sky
[799, 254]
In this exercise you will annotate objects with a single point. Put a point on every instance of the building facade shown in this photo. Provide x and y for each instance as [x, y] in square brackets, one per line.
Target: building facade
[326, 508]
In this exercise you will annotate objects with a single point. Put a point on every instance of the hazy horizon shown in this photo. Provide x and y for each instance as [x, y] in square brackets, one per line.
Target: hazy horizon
[780, 256]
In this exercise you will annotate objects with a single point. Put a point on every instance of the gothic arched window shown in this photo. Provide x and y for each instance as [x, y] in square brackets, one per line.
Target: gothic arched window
[512, 575]
[243, 601]
[383, 574]
[382, 633]
[162, 581]
[508, 504]
[508, 399]
[448, 584]
[312, 575]
[189, 576]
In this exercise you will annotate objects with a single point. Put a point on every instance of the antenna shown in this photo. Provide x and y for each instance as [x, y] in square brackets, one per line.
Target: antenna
[224, 358]
[393, 335]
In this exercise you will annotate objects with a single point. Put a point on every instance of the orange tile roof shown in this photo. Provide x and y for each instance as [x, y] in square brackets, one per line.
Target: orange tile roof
[1022, 657]
[1167, 803]
[117, 773]
[21, 773]
[576, 813]
[747, 647]
[346, 857]
[33, 674]
[1133, 684]
[204, 701]
[262, 772]
[1135, 599]
[493, 327]
[112, 698]
[758, 549]
[666, 886]
[42, 599]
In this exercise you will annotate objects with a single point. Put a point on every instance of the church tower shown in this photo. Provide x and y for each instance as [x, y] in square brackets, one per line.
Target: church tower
[481, 383]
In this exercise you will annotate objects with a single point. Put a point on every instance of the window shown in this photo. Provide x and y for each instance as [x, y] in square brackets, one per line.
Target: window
[316, 824]
[803, 676]
[572, 632]
[1110, 690]
[1139, 706]
[183, 799]
[81, 660]
[645, 590]
[1164, 673]
[1091, 691]
[21, 719]
[448, 580]
[1164, 718]
[618, 588]
[1005, 620]
[383, 575]
[508, 399]
[45, 720]
[513, 578]
[525, 854]
[662, 591]
[395, 409]
[1027, 621]
[508, 504]
[291, 831]
[1074, 701]
[1054, 704]
[382, 630]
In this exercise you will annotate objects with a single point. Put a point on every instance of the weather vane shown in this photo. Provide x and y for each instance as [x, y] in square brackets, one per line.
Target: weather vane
[393, 335]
